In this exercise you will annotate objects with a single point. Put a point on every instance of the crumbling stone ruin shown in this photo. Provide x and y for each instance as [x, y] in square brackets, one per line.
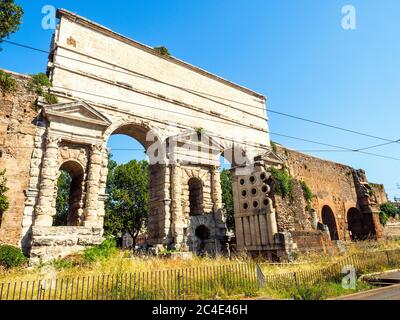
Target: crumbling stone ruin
[108, 84]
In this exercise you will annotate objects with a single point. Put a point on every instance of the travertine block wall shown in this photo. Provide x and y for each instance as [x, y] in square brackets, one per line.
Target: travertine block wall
[88, 43]
[57, 242]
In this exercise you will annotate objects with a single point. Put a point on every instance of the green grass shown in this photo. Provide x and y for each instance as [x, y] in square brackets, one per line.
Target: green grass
[108, 260]
[320, 291]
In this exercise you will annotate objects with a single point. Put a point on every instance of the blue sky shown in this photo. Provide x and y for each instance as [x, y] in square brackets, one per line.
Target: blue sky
[295, 52]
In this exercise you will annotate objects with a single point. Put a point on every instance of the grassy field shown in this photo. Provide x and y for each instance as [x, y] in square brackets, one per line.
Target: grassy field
[320, 291]
[312, 261]
[109, 260]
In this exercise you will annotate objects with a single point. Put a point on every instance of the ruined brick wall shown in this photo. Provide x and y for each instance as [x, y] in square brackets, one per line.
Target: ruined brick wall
[332, 184]
[291, 214]
[294, 216]
[17, 130]
[379, 193]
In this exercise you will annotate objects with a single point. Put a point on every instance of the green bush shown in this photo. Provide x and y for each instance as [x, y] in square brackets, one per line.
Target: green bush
[390, 209]
[274, 147]
[11, 257]
[37, 83]
[163, 51]
[283, 182]
[315, 292]
[383, 217]
[4, 203]
[50, 98]
[99, 252]
[7, 83]
[307, 193]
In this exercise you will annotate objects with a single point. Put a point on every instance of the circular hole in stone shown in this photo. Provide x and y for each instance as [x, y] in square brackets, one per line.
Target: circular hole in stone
[245, 206]
[265, 189]
[266, 202]
[254, 191]
[252, 179]
[244, 193]
[255, 204]
[242, 181]
[263, 176]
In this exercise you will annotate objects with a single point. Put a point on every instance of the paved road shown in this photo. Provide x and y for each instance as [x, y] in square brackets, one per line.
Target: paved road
[385, 293]
[385, 277]
[391, 292]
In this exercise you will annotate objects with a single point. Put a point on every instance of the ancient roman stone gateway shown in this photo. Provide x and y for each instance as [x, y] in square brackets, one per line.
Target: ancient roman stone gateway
[186, 118]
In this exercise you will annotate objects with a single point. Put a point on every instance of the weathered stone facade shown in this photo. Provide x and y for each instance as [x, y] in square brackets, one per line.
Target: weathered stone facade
[107, 84]
[100, 94]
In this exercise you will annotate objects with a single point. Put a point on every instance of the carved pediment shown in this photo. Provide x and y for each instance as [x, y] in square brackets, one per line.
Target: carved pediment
[270, 157]
[78, 111]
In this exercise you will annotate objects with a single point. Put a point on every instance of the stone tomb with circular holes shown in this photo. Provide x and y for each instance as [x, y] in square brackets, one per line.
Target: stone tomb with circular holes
[254, 213]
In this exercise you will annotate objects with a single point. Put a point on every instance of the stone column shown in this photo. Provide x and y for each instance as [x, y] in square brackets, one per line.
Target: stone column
[271, 222]
[216, 193]
[176, 205]
[93, 186]
[166, 206]
[45, 209]
[102, 186]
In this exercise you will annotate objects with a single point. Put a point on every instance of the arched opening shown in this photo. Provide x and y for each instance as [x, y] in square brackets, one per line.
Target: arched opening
[203, 234]
[360, 225]
[69, 201]
[127, 205]
[195, 197]
[328, 218]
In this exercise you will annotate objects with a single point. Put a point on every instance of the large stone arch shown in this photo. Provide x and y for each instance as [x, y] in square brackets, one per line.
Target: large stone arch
[143, 131]
[328, 218]
[153, 140]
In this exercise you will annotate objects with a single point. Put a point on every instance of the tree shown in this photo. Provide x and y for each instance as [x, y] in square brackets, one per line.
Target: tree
[227, 198]
[10, 18]
[390, 209]
[62, 201]
[127, 204]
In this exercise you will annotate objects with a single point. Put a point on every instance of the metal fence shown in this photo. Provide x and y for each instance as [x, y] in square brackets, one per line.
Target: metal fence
[361, 263]
[189, 283]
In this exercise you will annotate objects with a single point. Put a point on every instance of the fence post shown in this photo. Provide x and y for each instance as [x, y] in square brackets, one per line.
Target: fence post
[260, 277]
[388, 257]
[179, 283]
[296, 281]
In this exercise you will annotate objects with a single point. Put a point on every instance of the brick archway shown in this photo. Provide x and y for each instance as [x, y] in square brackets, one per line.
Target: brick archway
[328, 218]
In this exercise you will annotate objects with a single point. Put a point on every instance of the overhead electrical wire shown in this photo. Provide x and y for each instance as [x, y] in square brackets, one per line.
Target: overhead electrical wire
[136, 74]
